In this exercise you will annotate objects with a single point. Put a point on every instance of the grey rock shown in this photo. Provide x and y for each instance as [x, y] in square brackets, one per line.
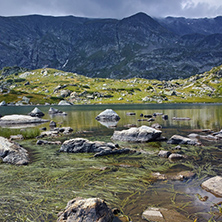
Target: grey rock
[108, 115]
[134, 134]
[175, 157]
[156, 126]
[181, 118]
[53, 111]
[213, 185]
[3, 103]
[13, 153]
[86, 210]
[20, 120]
[64, 103]
[36, 112]
[165, 117]
[52, 124]
[163, 215]
[164, 153]
[45, 142]
[80, 145]
[177, 139]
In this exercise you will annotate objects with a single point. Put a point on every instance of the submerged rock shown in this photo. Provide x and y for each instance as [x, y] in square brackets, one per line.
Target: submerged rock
[86, 210]
[134, 134]
[36, 112]
[13, 153]
[177, 139]
[163, 215]
[108, 115]
[213, 185]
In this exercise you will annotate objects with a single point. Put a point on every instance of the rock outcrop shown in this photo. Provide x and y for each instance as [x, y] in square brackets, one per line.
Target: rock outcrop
[140, 134]
[13, 153]
[53, 111]
[86, 210]
[213, 185]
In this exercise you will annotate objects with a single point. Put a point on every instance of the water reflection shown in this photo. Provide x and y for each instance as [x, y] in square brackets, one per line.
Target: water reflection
[109, 124]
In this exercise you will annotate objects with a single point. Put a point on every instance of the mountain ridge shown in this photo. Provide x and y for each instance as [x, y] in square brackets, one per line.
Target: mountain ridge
[135, 46]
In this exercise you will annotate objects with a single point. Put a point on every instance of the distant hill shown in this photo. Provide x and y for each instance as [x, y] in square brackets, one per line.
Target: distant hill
[136, 46]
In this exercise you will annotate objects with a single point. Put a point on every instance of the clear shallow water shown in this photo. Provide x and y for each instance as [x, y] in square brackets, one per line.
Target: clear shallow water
[138, 193]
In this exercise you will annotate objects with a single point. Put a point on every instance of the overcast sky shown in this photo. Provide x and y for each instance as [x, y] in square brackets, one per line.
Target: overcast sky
[113, 8]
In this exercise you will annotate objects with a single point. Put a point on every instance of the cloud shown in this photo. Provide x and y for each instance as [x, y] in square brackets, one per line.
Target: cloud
[112, 9]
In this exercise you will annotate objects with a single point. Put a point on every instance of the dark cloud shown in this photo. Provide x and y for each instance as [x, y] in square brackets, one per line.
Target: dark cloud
[112, 8]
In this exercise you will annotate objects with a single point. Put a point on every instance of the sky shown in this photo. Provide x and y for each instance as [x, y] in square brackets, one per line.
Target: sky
[113, 8]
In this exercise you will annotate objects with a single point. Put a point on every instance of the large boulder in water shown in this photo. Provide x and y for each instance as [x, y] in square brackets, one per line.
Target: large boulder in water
[108, 115]
[13, 153]
[81, 145]
[86, 210]
[36, 112]
[140, 134]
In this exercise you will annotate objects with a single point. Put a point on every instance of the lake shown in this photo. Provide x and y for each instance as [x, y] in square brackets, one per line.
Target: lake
[37, 192]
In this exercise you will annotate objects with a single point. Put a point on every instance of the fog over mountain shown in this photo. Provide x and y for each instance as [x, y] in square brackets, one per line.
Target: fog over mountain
[136, 46]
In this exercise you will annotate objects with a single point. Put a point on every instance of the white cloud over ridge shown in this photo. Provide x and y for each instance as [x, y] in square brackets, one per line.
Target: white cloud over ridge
[112, 9]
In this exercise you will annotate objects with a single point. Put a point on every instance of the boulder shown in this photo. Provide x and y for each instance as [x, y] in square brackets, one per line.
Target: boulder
[12, 152]
[52, 124]
[64, 103]
[3, 103]
[181, 118]
[20, 120]
[164, 153]
[177, 139]
[156, 126]
[213, 185]
[134, 134]
[108, 115]
[36, 112]
[86, 210]
[53, 111]
[80, 145]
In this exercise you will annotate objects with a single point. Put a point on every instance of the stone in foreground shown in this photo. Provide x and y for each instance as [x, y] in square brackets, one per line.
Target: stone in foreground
[108, 115]
[163, 215]
[134, 134]
[13, 153]
[20, 120]
[177, 139]
[213, 185]
[86, 210]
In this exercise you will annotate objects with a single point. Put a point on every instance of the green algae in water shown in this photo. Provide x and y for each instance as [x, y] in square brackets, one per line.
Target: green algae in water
[37, 192]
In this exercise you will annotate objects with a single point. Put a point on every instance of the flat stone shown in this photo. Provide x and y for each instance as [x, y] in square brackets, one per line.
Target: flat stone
[153, 214]
[213, 185]
[20, 119]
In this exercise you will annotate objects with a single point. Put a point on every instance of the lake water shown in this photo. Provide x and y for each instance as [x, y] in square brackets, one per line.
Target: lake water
[54, 178]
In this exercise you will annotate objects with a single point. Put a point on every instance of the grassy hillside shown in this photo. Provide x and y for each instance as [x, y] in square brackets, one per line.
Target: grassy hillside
[43, 86]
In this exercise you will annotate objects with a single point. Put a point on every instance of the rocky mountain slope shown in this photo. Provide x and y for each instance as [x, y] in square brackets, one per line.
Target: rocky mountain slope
[136, 46]
[51, 86]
